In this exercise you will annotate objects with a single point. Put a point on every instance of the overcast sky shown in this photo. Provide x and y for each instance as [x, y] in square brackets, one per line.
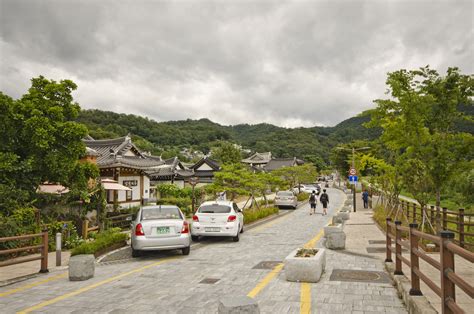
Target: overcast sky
[289, 63]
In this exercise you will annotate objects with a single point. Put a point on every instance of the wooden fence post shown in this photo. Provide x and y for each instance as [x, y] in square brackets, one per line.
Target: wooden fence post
[44, 252]
[415, 280]
[445, 218]
[388, 242]
[398, 248]
[461, 227]
[447, 265]
[85, 227]
[432, 212]
[414, 212]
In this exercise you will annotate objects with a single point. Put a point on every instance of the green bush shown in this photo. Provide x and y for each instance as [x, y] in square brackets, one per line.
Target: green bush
[302, 197]
[251, 215]
[21, 221]
[103, 240]
[70, 238]
[183, 203]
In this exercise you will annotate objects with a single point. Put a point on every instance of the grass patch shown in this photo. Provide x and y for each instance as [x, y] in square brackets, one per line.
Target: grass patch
[251, 215]
[303, 196]
[102, 241]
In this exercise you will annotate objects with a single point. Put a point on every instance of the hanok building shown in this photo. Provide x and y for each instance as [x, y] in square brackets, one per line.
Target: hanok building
[204, 170]
[172, 171]
[258, 160]
[119, 159]
[278, 163]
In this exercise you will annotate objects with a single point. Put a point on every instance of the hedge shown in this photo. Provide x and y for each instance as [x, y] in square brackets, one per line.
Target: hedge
[302, 197]
[251, 215]
[102, 241]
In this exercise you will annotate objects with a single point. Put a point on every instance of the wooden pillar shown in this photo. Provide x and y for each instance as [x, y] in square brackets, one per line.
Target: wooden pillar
[415, 280]
[447, 265]
[461, 227]
[432, 214]
[398, 248]
[44, 252]
[388, 241]
[445, 218]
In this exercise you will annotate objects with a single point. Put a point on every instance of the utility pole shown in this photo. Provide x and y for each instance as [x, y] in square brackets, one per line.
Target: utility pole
[354, 185]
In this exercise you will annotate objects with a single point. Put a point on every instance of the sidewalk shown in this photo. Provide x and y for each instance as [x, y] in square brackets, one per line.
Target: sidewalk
[28, 269]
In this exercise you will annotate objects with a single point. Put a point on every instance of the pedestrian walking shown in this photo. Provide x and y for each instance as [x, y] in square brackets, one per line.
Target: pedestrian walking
[312, 203]
[324, 199]
[365, 198]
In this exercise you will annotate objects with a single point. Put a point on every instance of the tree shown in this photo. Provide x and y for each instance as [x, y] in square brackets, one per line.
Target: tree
[40, 140]
[227, 153]
[297, 174]
[232, 179]
[418, 124]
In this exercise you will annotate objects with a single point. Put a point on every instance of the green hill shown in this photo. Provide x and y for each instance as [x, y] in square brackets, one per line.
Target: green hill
[309, 143]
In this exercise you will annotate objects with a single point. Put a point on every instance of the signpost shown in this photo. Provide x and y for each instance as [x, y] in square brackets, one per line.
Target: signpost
[353, 180]
[193, 181]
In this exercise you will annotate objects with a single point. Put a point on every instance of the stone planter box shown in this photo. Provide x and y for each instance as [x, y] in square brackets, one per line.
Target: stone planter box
[305, 269]
[336, 241]
[343, 215]
[332, 229]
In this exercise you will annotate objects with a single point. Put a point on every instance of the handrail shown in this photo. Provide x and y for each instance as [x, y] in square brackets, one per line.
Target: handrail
[446, 265]
[43, 246]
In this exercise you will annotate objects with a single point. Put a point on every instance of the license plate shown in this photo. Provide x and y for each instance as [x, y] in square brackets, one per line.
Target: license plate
[162, 230]
[210, 229]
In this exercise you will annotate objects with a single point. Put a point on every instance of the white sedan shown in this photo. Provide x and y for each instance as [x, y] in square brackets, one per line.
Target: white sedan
[217, 219]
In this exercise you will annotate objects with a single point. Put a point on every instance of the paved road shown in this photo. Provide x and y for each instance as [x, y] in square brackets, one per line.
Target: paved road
[171, 283]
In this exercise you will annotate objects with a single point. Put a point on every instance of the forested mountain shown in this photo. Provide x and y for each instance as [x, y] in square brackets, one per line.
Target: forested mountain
[309, 143]
[312, 144]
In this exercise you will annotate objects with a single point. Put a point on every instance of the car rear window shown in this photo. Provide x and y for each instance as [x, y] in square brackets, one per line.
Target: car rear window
[285, 193]
[214, 209]
[161, 213]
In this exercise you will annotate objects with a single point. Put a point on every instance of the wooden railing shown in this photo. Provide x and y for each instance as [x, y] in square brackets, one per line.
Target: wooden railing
[120, 220]
[43, 247]
[446, 217]
[86, 229]
[446, 267]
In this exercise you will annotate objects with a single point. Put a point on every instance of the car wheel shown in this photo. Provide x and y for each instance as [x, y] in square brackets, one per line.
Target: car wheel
[186, 250]
[136, 253]
[195, 238]
[236, 238]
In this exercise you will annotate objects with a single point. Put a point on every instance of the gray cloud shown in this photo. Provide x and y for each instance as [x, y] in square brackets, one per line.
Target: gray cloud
[294, 63]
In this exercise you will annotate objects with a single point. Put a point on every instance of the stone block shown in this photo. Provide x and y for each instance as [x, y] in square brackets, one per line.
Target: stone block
[336, 241]
[305, 269]
[343, 215]
[237, 305]
[336, 228]
[81, 267]
[336, 220]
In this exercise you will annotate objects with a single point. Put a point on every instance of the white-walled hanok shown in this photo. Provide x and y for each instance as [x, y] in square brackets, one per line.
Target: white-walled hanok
[119, 159]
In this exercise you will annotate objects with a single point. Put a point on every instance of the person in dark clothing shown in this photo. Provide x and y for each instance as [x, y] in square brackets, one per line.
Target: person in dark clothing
[324, 199]
[365, 198]
[312, 203]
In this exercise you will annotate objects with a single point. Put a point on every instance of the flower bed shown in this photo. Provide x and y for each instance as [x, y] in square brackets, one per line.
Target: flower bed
[105, 241]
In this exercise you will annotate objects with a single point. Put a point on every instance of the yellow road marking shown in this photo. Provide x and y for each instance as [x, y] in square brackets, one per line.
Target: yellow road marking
[265, 281]
[305, 298]
[87, 288]
[311, 243]
[31, 285]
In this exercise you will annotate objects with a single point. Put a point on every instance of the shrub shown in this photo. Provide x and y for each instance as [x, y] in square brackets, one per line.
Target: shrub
[70, 238]
[302, 197]
[251, 215]
[103, 240]
[21, 221]
[183, 203]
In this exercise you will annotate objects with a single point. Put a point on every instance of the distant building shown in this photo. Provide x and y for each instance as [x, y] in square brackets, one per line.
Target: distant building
[277, 163]
[258, 160]
[204, 170]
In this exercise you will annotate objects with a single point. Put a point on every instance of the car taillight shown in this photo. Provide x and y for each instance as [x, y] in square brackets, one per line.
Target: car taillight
[185, 228]
[231, 218]
[139, 230]
[195, 218]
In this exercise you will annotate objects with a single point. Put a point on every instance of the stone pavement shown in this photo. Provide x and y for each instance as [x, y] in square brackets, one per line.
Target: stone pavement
[29, 269]
[170, 283]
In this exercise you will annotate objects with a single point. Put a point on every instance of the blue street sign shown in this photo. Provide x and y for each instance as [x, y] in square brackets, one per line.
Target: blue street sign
[353, 179]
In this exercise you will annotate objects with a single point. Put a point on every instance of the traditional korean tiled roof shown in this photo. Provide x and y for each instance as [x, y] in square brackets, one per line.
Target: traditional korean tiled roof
[112, 153]
[277, 163]
[258, 158]
[91, 152]
[210, 162]
[169, 168]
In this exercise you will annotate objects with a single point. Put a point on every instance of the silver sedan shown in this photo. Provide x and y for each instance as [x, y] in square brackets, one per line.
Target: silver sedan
[286, 199]
[160, 227]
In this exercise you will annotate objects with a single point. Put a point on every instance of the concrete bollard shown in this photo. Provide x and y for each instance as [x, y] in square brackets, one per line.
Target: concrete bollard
[237, 305]
[58, 248]
[81, 267]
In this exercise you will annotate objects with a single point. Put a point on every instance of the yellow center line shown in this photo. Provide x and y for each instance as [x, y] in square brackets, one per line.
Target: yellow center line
[87, 288]
[33, 284]
[305, 298]
[265, 281]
